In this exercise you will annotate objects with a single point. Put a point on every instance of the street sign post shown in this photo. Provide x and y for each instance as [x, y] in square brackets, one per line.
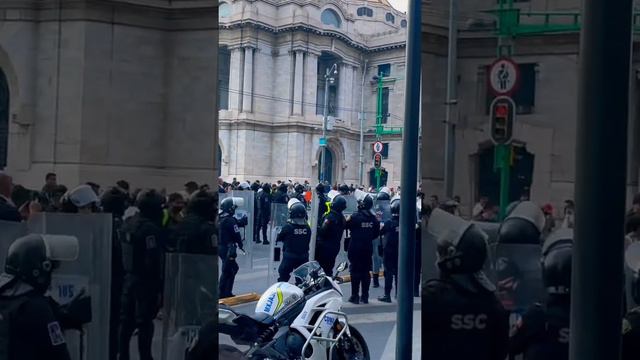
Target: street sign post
[502, 118]
[378, 147]
[323, 141]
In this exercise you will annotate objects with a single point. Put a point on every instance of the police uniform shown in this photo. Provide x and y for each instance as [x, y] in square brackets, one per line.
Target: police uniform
[463, 324]
[142, 249]
[543, 332]
[229, 239]
[391, 232]
[195, 235]
[296, 240]
[364, 228]
[329, 237]
[264, 214]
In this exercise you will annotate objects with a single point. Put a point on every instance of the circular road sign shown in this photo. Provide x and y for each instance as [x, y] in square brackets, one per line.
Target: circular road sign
[504, 76]
[378, 146]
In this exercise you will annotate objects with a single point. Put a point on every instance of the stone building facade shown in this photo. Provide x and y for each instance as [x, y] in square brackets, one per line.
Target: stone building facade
[273, 58]
[544, 165]
[98, 90]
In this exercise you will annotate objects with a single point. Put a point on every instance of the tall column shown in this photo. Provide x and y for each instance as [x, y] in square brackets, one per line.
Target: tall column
[235, 70]
[310, 84]
[297, 84]
[247, 89]
[343, 94]
[349, 110]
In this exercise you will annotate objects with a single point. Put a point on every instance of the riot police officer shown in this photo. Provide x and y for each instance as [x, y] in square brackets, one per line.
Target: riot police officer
[384, 195]
[114, 201]
[543, 333]
[264, 212]
[295, 235]
[143, 257]
[31, 325]
[330, 234]
[230, 239]
[196, 233]
[364, 228]
[467, 320]
[280, 196]
[300, 194]
[391, 232]
[344, 189]
[322, 201]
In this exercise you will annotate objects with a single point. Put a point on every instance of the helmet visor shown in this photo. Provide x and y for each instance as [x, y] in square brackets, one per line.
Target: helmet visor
[61, 247]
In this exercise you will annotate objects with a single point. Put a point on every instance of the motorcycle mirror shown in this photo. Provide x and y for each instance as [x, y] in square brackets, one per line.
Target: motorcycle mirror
[632, 257]
[342, 266]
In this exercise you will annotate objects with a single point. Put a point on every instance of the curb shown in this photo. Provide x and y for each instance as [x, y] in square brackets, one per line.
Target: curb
[251, 297]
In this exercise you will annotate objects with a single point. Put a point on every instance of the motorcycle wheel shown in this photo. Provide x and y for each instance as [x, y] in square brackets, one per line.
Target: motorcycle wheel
[352, 348]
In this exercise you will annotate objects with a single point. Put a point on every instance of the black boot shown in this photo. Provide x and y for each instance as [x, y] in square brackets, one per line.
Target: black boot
[354, 299]
[364, 299]
[376, 283]
[385, 298]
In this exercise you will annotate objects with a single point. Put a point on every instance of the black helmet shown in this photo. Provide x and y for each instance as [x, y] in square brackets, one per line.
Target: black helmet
[395, 208]
[299, 188]
[255, 186]
[384, 194]
[321, 188]
[282, 188]
[150, 202]
[202, 203]
[266, 188]
[344, 189]
[33, 258]
[556, 262]
[366, 203]
[114, 201]
[229, 205]
[523, 225]
[297, 212]
[339, 203]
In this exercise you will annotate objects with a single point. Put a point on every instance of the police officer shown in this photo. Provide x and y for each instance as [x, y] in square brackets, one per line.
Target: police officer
[391, 232]
[300, 194]
[344, 189]
[543, 333]
[280, 196]
[229, 239]
[364, 228]
[31, 325]
[330, 235]
[295, 235]
[467, 320]
[383, 195]
[142, 255]
[196, 233]
[264, 212]
[114, 201]
[322, 201]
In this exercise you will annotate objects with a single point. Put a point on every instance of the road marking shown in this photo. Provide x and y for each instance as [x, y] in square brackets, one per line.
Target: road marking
[373, 318]
[389, 352]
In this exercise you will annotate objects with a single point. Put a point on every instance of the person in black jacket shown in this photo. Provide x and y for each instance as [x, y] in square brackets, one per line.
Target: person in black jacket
[264, 212]
[467, 319]
[330, 234]
[295, 235]
[391, 232]
[281, 197]
[364, 227]
[196, 233]
[300, 194]
[230, 239]
[143, 258]
[8, 211]
[32, 324]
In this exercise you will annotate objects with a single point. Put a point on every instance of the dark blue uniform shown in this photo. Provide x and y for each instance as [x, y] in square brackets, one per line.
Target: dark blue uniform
[229, 239]
[195, 235]
[463, 324]
[391, 232]
[364, 228]
[329, 237]
[143, 258]
[296, 240]
[264, 214]
[543, 332]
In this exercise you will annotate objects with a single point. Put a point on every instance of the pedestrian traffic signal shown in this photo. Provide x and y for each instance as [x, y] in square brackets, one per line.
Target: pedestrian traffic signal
[502, 117]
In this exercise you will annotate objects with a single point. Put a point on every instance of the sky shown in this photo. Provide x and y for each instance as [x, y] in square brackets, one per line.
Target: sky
[399, 4]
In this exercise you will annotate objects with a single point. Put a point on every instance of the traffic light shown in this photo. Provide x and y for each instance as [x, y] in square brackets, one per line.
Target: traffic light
[377, 160]
[502, 116]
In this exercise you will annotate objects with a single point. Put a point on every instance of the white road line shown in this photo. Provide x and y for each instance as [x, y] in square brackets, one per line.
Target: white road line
[372, 318]
[389, 352]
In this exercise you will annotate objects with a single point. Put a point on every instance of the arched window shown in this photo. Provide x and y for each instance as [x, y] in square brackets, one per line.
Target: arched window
[403, 23]
[330, 17]
[224, 10]
[365, 11]
[390, 18]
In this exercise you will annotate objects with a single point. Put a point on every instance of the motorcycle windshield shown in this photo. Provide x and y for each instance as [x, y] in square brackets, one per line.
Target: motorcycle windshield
[303, 272]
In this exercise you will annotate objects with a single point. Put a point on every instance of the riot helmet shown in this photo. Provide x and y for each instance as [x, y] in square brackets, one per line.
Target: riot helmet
[33, 258]
[202, 203]
[344, 189]
[266, 188]
[282, 188]
[297, 212]
[556, 262]
[523, 225]
[299, 188]
[81, 199]
[339, 204]
[321, 188]
[229, 205]
[255, 186]
[114, 201]
[395, 208]
[365, 201]
[150, 202]
[384, 194]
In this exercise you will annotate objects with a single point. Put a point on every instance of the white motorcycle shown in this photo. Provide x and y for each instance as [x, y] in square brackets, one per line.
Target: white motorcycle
[297, 322]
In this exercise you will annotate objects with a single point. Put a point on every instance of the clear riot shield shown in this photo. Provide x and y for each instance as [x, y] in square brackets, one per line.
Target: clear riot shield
[279, 216]
[382, 209]
[190, 301]
[518, 276]
[352, 205]
[9, 232]
[491, 229]
[248, 210]
[91, 272]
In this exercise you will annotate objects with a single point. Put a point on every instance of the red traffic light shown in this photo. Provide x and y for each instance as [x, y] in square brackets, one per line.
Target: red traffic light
[377, 160]
[502, 110]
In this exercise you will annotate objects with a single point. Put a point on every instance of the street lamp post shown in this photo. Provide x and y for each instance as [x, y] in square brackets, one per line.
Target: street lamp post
[328, 78]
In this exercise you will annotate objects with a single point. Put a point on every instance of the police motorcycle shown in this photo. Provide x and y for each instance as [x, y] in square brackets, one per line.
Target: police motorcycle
[297, 322]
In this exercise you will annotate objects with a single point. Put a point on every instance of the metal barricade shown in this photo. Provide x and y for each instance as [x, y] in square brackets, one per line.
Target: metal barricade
[190, 301]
